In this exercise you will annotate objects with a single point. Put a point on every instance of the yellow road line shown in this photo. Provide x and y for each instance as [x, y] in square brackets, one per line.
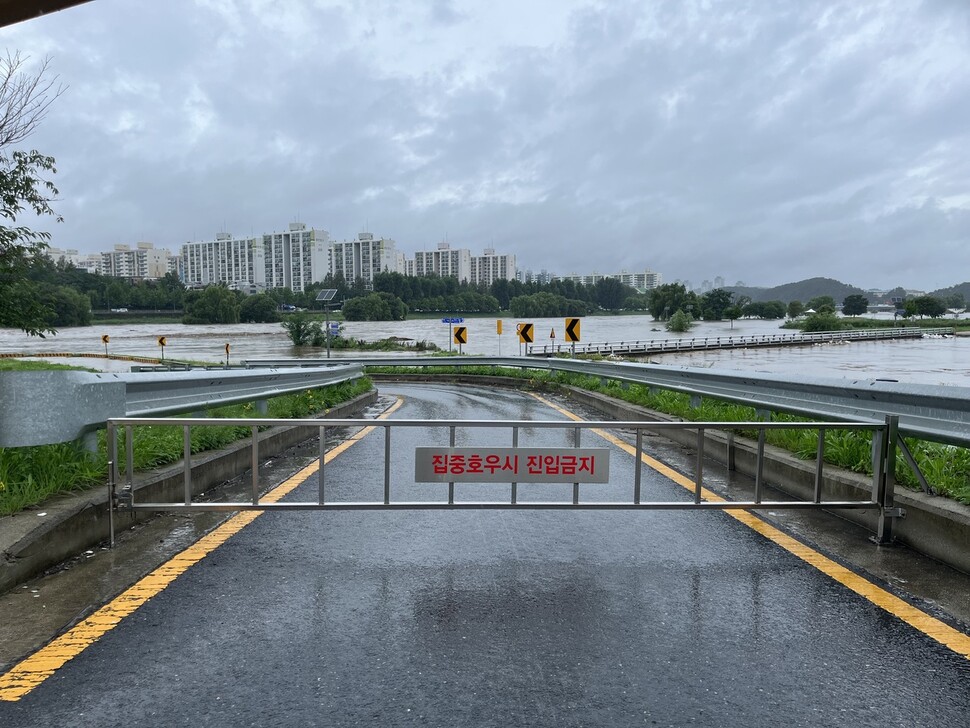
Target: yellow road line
[928, 625]
[33, 670]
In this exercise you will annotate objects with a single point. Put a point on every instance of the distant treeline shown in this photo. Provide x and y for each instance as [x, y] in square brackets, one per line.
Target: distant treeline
[71, 294]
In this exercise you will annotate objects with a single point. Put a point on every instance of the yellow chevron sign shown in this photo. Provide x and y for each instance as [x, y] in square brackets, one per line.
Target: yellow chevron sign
[461, 334]
[572, 329]
[525, 333]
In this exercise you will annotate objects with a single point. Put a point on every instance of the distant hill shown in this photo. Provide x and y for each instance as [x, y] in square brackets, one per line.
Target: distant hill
[801, 291]
[960, 288]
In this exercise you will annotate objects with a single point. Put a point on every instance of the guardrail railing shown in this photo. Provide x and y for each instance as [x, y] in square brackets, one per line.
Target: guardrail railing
[124, 497]
[46, 407]
[929, 412]
[673, 345]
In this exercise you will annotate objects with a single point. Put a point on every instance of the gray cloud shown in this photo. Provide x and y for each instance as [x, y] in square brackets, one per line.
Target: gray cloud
[763, 142]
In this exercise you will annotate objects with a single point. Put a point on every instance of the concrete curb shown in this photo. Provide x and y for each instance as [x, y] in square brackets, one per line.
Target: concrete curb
[937, 527]
[73, 523]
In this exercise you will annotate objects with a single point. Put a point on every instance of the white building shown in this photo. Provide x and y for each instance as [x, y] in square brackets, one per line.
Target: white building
[240, 263]
[296, 258]
[90, 262]
[363, 258]
[444, 262]
[489, 267]
[646, 281]
[142, 262]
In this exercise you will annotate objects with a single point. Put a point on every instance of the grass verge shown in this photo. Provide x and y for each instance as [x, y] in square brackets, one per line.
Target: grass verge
[31, 475]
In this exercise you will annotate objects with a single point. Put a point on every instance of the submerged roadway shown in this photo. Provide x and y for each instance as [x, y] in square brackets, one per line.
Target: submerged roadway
[496, 617]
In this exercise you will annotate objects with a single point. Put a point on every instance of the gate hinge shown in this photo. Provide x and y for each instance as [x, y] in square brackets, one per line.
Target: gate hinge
[124, 499]
[894, 512]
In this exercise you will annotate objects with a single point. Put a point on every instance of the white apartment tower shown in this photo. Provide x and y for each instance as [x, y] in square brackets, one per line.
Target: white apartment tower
[142, 262]
[295, 258]
[489, 267]
[363, 258]
[237, 262]
[444, 262]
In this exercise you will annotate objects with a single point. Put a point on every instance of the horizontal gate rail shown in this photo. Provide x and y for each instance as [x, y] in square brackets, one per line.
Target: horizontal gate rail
[123, 498]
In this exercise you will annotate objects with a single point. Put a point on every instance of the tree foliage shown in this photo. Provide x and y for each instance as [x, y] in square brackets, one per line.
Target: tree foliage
[260, 308]
[24, 100]
[855, 305]
[211, 305]
[669, 298]
[680, 322]
[375, 307]
[714, 303]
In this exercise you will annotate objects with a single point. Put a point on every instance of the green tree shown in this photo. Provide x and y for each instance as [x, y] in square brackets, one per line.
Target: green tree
[929, 306]
[610, 293]
[680, 322]
[855, 305]
[375, 307]
[822, 304]
[795, 309]
[259, 308]
[714, 303]
[822, 322]
[24, 101]
[732, 313]
[668, 298]
[211, 305]
[303, 331]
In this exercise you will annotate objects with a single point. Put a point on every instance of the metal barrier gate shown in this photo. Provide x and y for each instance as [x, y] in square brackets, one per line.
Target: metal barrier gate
[884, 438]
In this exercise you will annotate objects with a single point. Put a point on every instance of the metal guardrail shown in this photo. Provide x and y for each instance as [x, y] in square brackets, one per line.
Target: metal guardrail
[46, 407]
[661, 346]
[123, 496]
[935, 413]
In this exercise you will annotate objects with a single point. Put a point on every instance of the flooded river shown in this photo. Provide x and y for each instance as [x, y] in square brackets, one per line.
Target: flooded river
[925, 361]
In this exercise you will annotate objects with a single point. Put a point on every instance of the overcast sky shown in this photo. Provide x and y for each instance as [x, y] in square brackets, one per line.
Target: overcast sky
[765, 142]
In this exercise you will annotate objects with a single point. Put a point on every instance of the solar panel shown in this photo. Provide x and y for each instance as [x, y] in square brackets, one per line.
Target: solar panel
[326, 294]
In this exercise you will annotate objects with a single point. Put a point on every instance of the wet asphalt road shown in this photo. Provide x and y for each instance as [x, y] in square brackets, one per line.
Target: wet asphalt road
[500, 618]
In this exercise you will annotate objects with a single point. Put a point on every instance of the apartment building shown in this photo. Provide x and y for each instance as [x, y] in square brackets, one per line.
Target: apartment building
[240, 263]
[489, 267]
[143, 261]
[295, 258]
[444, 262]
[363, 258]
[645, 281]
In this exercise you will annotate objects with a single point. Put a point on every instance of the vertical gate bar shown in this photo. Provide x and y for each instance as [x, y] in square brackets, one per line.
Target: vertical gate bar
[515, 444]
[819, 461]
[323, 453]
[112, 449]
[387, 464]
[759, 467]
[576, 443]
[731, 452]
[639, 467]
[129, 460]
[884, 534]
[451, 485]
[187, 464]
[255, 465]
[878, 461]
[699, 472]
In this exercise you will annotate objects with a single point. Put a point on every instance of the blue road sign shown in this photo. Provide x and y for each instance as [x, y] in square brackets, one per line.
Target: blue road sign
[456, 320]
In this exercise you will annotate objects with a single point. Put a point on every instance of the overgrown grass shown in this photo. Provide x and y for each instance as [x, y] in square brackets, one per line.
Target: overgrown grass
[945, 467]
[30, 475]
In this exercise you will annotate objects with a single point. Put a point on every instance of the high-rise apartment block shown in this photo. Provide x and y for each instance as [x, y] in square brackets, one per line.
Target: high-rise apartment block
[444, 262]
[295, 259]
[363, 258]
[489, 267]
[142, 262]
[646, 281]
